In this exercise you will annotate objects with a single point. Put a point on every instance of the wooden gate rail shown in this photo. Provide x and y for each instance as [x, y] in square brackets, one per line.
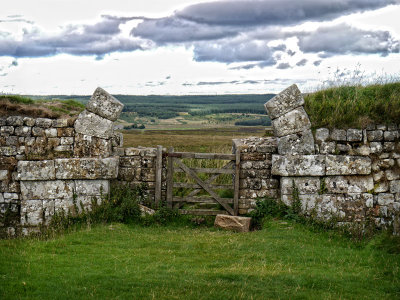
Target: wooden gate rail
[199, 185]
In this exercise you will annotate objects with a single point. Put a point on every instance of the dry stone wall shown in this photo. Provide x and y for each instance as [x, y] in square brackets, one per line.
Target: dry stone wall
[47, 165]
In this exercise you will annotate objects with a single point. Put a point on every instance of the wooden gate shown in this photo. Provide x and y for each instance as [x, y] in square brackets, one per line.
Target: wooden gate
[176, 165]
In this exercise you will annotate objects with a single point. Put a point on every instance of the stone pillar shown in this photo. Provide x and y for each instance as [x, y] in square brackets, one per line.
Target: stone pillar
[290, 122]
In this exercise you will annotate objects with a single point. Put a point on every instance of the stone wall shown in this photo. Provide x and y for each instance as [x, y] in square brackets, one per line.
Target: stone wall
[47, 165]
[352, 175]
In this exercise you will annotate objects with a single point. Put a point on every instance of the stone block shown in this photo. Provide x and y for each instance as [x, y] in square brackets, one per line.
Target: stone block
[309, 202]
[10, 196]
[23, 131]
[66, 140]
[50, 132]
[376, 147]
[391, 135]
[297, 143]
[52, 189]
[91, 124]
[8, 151]
[298, 165]
[343, 148]
[304, 185]
[103, 104]
[286, 101]
[338, 135]
[31, 212]
[15, 121]
[63, 148]
[327, 148]
[270, 183]
[395, 186]
[381, 187]
[91, 146]
[392, 174]
[294, 121]
[132, 151]
[48, 211]
[349, 184]
[354, 135]
[388, 146]
[29, 121]
[37, 131]
[59, 123]
[363, 150]
[4, 175]
[117, 139]
[385, 199]
[6, 130]
[234, 223]
[92, 187]
[322, 134]
[347, 165]
[43, 122]
[36, 170]
[87, 168]
[375, 135]
[68, 131]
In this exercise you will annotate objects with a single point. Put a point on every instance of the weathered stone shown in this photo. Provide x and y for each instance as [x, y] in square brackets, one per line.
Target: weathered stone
[304, 185]
[43, 122]
[58, 123]
[376, 147]
[65, 132]
[385, 198]
[349, 184]
[322, 134]
[66, 140]
[363, 150]
[63, 148]
[8, 151]
[395, 186]
[23, 131]
[294, 121]
[389, 146]
[92, 187]
[343, 148]
[3, 175]
[309, 202]
[31, 212]
[354, 135]
[15, 121]
[117, 139]
[10, 196]
[36, 170]
[104, 105]
[298, 165]
[327, 148]
[146, 210]
[37, 131]
[50, 132]
[91, 146]
[51, 189]
[234, 223]
[390, 135]
[29, 121]
[347, 165]
[12, 140]
[297, 143]
[6, 130]
[381, 187]
[64, 204]
[91, 124]
[375, 135]
[132, 151]
[392, 174]
[284, 102]
[87, 168]
[338, 135]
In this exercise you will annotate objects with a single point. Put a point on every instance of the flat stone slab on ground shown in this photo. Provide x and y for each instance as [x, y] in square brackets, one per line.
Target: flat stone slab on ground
[234, 223]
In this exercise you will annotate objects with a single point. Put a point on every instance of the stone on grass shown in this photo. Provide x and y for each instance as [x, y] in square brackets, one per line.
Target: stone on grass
[234, 223]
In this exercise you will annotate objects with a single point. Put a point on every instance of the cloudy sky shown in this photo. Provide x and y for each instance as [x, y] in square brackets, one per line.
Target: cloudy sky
[193, 46]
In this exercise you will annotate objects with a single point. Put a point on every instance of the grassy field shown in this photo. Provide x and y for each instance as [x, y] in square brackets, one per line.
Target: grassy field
[283, 261]
[218, 140]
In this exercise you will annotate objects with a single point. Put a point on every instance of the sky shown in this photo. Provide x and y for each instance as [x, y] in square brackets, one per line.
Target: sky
[184, 47]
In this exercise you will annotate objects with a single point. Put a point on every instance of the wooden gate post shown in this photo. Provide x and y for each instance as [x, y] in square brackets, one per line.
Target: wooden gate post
[236, 185]
[158, 176]
[170, 177]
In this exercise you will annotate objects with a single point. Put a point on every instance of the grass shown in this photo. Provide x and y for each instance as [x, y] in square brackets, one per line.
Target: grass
[354, 106]
[217, 140]
[17, 99]
[285, 260]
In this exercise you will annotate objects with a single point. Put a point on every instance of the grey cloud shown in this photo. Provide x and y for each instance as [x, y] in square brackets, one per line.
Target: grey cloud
[301, 62]
[291, 52]
[217, 82]
[283, 66]
[344, 39]
[97, 39]
[317, 63]
[234, 51]
[274, 12]
[177, 30]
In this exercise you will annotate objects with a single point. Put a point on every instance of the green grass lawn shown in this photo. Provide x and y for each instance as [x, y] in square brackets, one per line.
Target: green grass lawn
[284, 260]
